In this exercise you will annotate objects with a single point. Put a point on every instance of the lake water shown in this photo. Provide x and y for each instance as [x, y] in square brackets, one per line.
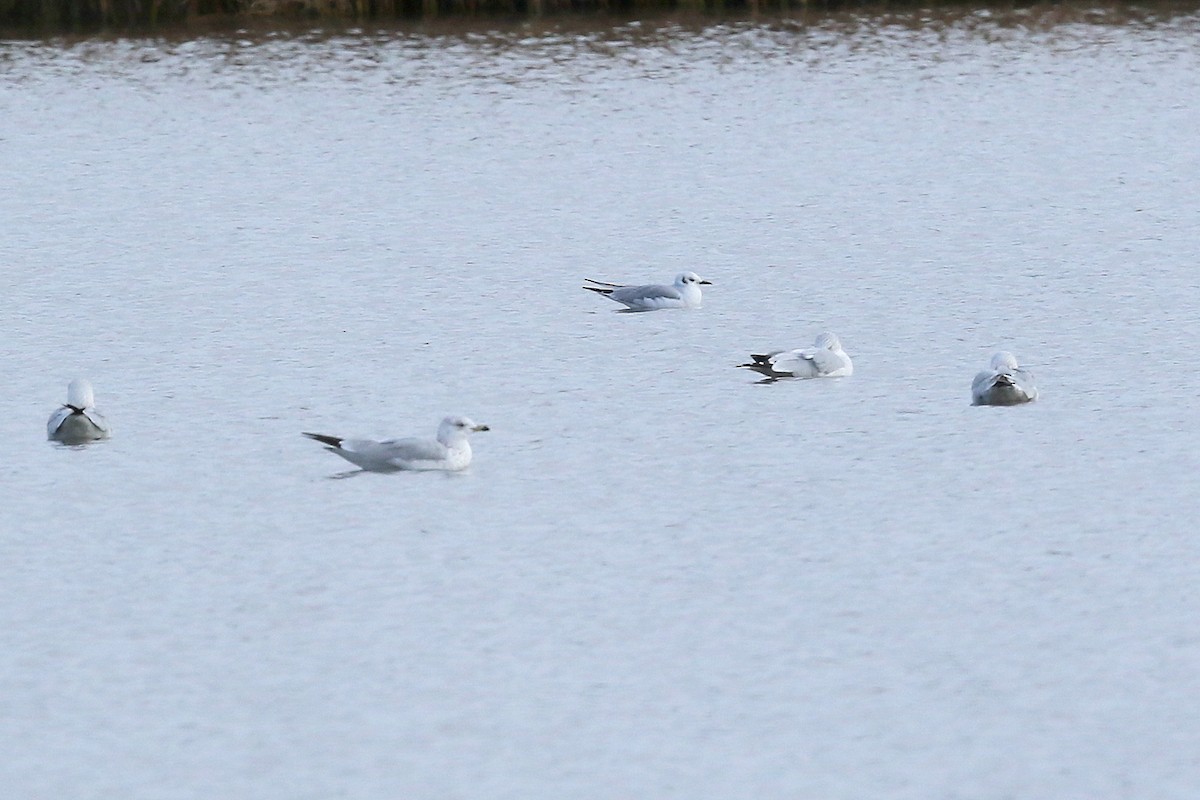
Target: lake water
[659, 579]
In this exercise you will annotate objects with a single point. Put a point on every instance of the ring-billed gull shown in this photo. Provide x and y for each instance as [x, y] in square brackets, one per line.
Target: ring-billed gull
[1003, 383]
[685, 293]
[450, 452]
[825, 359]
[78, 421]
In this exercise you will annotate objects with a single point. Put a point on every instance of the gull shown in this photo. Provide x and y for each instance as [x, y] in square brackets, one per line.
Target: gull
[1003, 383]
[451, 451]
[685, 293]
[78, 421]
[825, 359]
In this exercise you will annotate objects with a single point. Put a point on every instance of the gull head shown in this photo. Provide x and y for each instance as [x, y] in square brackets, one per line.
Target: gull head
[1003, 362]
[690, 279]
[458, 428]
[80, 395]
[829, 341]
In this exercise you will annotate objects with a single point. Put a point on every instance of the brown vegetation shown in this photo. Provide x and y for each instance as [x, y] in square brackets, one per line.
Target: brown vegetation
[91, 15]
[83, 14]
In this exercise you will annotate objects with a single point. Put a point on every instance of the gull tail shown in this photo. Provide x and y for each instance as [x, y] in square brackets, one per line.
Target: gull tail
[332, 441]
[602, 287]
[761, 364]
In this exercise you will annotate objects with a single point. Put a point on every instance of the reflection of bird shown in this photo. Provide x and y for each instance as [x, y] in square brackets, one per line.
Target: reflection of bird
[451, 451]
[78, 421]
[825, 359]
[685, 293]
[1003, 383]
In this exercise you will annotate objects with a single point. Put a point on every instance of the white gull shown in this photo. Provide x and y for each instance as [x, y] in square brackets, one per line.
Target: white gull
[451, 451]
[1003, 383]
[78, 421]
[684, 293]
[825, 359]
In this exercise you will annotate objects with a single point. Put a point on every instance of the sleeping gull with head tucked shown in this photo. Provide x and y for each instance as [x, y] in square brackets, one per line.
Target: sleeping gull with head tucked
[451, 451]
[1003, 383]
[825, 359]
[78, 421]
[684, 293]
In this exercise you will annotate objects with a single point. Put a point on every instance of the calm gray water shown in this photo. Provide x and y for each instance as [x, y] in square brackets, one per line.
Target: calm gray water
[658, 579]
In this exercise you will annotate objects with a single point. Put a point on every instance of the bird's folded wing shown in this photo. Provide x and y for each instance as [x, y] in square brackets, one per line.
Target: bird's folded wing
[983, 381]
[57, 419]
[649, 292]
[789, 361]
[411, 450]
[96, 419]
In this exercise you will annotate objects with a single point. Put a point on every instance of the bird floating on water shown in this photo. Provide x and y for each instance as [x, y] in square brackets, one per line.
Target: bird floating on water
[78, 421]
[825, 359]
[450, 452]
[684, 293]
[1003, 383]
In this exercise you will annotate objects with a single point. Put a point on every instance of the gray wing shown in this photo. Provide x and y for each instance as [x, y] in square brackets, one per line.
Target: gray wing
[57, 419]
[1024, 380]
[983, 381]
[798, 363]
[62, 424]
[408, 450]
[98, 420]
[634, 294]
[1003, 387]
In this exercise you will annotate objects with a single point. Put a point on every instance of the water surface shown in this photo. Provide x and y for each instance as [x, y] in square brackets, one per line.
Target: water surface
[658, 579]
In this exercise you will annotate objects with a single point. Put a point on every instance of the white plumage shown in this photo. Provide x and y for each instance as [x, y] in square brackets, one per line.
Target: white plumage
[1003, 383]
[825, 359]
[78, 421]
[450, 452]
[684, 293]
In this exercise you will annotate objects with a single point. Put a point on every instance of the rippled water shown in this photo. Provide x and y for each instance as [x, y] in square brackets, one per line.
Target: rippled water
[658, 579]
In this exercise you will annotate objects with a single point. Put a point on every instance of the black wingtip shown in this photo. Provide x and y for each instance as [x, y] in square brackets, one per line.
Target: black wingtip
[598, 290]
[332, 441]
[762, 368]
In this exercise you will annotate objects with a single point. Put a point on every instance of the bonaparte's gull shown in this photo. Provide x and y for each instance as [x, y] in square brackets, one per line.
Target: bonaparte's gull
[450, 452]
[78, 421]
[685, 293]
[825, 359]
[1003, 383]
